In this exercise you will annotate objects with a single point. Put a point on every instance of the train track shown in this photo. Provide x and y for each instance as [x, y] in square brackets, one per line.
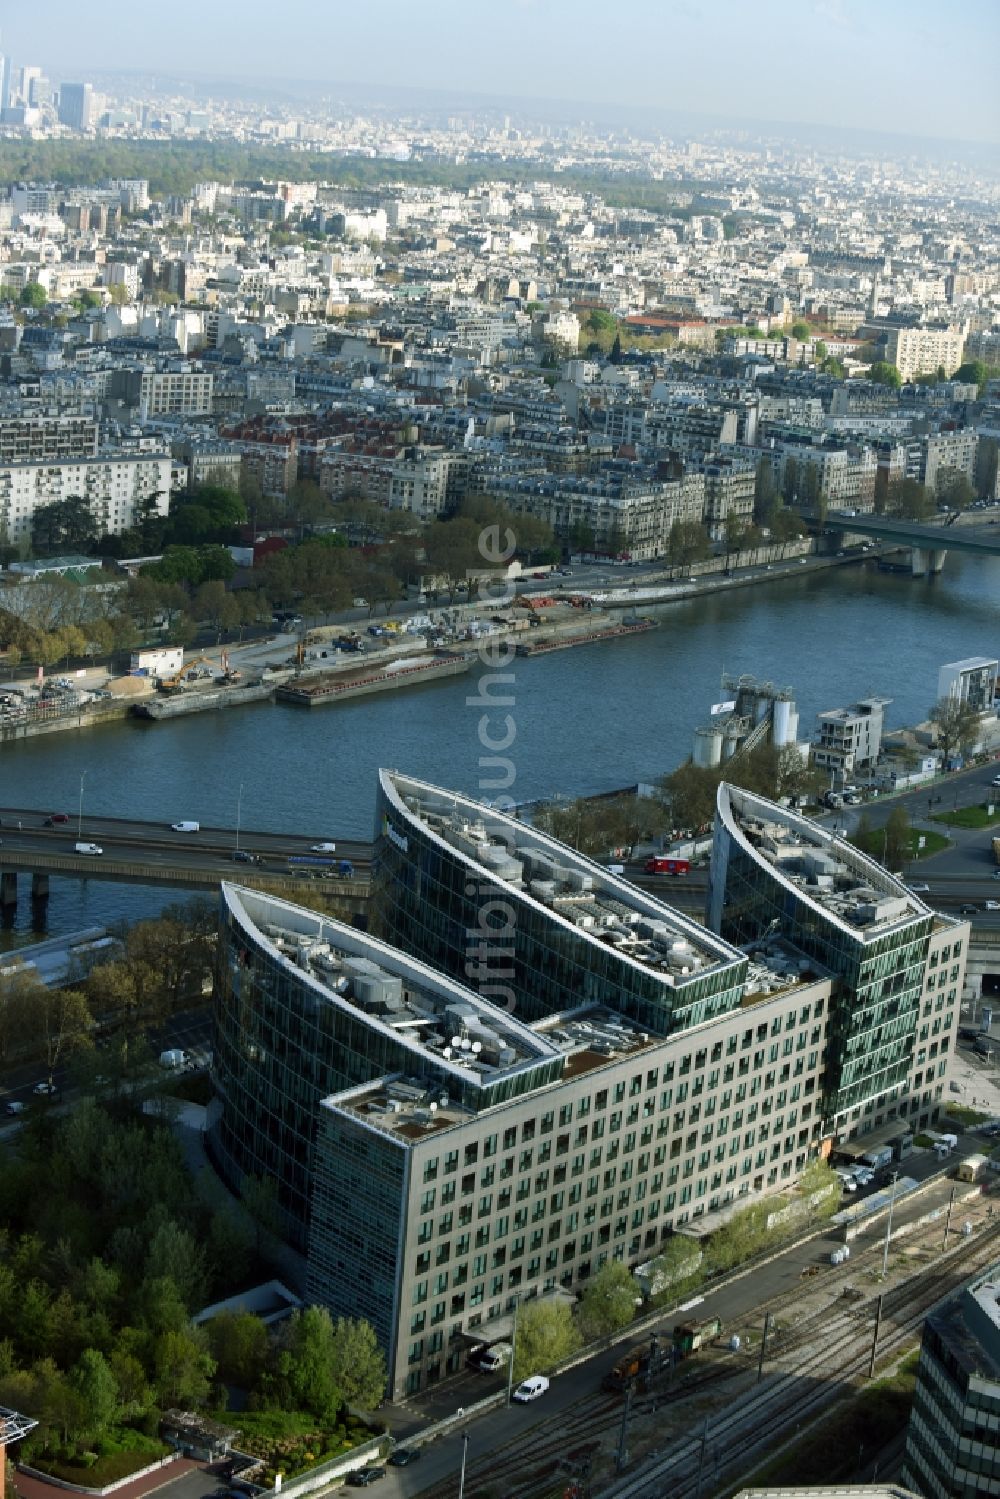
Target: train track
[800, 1387]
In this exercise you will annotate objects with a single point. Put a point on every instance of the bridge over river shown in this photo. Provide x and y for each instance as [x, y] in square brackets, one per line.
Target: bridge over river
[929, 544]
[137, 852]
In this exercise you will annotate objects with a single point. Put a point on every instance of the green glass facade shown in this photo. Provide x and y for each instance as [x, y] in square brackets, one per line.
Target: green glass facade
[445, 909]
[880, 973]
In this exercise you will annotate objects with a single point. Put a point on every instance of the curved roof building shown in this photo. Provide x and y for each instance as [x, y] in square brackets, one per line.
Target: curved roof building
[533, 925]
[774, 870]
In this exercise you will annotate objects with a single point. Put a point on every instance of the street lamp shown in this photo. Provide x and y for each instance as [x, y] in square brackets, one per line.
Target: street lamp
[79, 820]
[239, 809]
[888, 1226]
[465, 1453]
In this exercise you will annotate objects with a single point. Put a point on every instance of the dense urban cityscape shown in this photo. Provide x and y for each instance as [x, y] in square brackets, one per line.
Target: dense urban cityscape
[566, 1066]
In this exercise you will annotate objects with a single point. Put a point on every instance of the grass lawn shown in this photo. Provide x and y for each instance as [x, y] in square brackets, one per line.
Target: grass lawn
[970, 817]
[933, 843]
[962, 1115]
[123, 1453]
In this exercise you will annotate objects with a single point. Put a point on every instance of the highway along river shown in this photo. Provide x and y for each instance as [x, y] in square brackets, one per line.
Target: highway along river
[585, 720]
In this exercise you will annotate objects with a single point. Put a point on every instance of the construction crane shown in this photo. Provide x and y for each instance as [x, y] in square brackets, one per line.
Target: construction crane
[179, 681]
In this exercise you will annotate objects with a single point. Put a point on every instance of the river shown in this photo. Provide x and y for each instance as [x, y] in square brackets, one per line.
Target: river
[585, 719]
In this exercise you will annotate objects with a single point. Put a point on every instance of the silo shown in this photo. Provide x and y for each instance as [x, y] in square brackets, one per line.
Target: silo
[707, 752]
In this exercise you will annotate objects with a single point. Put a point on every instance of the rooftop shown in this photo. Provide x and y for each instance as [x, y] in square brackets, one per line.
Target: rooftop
[835, 876]
[437, 1020]
[603, 908]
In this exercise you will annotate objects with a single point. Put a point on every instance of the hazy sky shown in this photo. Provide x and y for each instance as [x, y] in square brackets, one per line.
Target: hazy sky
[914, 66]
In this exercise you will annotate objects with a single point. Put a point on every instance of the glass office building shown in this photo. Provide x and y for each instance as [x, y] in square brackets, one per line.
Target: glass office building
[530, 924]
[305, 1007]
[773, 869]
[953, 1438]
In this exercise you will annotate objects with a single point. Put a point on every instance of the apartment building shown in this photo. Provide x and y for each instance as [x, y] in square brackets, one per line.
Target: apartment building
[972, 682]
[920, 351]
[729, 490]
[620, 514]
[118, 489]
[44, 437]
[850, 739]
[175, 390]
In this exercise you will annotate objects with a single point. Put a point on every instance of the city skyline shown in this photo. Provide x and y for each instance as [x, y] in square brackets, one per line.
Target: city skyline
[881, 67]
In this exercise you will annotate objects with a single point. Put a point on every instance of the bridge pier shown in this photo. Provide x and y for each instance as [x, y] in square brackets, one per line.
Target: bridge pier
[925, 561]
[8, 889]
[39, 887]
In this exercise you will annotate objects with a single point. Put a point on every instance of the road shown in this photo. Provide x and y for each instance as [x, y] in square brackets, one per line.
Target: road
[211, 850]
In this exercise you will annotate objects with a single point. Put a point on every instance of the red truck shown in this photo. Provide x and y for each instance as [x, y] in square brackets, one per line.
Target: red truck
[660, 864]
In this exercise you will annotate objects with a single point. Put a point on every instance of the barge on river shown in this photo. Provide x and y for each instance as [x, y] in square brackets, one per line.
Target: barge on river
[335, 688]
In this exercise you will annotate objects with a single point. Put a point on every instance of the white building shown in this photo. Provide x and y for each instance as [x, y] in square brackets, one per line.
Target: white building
[973, 682]
[918, 351]
[116, 488]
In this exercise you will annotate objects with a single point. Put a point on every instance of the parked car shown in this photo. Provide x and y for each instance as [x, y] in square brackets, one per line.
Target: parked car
[15, 1106]
[360, 1478]
[45, 1090]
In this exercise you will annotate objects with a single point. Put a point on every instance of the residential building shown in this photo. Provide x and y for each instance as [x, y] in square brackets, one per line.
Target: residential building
[951, 1449]
[920, 351]
[972, 682]
[118, 488]
[850, 739]
[46, 437]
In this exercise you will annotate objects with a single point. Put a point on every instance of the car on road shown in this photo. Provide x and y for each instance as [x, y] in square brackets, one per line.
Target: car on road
[244, 856]
[991, 905]
[404, 1456]
[15, 1106]
[54, 818]
[45, 1090]
[918, 889]
[185, 827]
[530, 1389]
[995, 781]
[968, 910]
[360, 1478]
[322, 848]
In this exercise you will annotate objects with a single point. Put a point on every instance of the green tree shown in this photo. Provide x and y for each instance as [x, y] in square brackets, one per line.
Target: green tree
[183, 1368]
[765, 494]
[954, 489]
[307, 1361]
[63, 526]
[909, 499]
[691, 791]
[33, 295]
[95, 1384]
[359, 1364]
[546, 1334]
[789, 480]
[239, 1346]
[898, 839]
[63, 1024]
[882, 373]
[608, 1301]
[801, 330]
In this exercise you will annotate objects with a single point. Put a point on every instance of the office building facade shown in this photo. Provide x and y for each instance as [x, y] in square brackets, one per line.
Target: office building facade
[899, 966]
[953, 1438]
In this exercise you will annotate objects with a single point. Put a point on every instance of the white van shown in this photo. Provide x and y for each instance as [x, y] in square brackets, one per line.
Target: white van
[88, 848]
[185, 827]
[530, 1389]
[173, 1059]
[494, 1358]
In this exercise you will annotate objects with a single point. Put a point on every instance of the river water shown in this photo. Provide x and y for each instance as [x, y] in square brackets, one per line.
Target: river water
[585, 720]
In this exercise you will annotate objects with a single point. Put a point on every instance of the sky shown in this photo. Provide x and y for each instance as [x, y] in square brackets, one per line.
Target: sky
[909, 66]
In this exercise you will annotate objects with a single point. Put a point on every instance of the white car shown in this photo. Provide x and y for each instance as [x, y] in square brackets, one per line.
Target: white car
[185, 827]
[991, 905]
[45, 1090]
[322, 848]
[996, 781]
[530, 1389]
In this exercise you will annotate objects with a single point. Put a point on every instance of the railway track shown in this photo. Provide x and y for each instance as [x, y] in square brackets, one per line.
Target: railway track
[800, 1387]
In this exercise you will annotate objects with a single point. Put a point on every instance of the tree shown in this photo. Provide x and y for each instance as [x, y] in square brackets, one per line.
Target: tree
[63, 1021]
[789, 480]
[688, 543]
[183, 1367]
[359, 1363]
[546, 1334]
[897, 839]
[63, 526]
[909, 499]
[801, 331]
[306, 1363]
[608, 1301]
[691, 791]
[882, 373]
[33, 295]
[238, 1343]
[957, 727]
[954, 489]
[95, 1383]
[765, 492]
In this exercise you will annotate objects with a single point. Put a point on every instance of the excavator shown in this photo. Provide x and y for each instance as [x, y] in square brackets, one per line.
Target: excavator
[192, 670]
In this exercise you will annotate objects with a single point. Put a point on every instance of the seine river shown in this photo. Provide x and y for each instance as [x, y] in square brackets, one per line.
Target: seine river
[586, 720]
